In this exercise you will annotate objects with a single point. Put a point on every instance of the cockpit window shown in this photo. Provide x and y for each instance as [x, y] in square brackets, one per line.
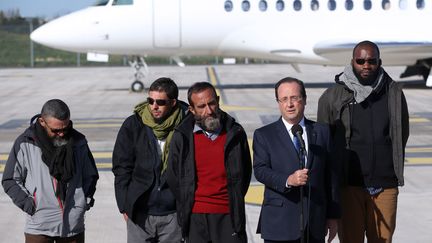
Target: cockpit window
[101, 3]
[420, 4]
[314, 5]
[297, 5]
[262, 5]
[228, 6]
[280, 5]
[349, 5]
[245, 5]
[367, 4]
[386, 4]
[122, 2]
[331, 5]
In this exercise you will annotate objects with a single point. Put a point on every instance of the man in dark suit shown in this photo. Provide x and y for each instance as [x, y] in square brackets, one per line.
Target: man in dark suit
[277, 166]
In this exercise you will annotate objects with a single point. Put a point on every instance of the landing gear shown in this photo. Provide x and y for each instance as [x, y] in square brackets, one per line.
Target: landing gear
[137, 86]
[138, 63]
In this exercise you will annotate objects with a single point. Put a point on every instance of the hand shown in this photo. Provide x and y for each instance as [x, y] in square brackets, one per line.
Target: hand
[298, 178]
[331, 229]
[125, 217]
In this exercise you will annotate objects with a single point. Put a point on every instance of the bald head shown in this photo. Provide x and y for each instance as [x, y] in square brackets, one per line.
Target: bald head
[366, 45]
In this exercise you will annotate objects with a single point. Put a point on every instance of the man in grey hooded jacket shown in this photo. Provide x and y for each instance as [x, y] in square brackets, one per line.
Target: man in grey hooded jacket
[51, 175]
[368, 116]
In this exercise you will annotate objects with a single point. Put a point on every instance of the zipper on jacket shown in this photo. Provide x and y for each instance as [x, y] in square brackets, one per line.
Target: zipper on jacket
[58, 197]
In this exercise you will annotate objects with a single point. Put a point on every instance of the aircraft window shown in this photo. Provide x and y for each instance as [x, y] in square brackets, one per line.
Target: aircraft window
[297, 5]
[367, 4]
[262, 5]
[403, 4]
[228, 6]
[349, 5]
[386, 4]
[280, 5]
[331, 5]
[245, 5]
[122, 2]
[101, 3]
[420, 4]
[314, 5]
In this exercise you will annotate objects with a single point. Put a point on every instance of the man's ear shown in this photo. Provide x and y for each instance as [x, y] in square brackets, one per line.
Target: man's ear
[191, 109]
[379, 62]
[41, 121]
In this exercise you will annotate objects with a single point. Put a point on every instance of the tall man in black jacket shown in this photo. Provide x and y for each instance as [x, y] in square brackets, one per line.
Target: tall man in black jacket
[139, 164]
[368, 117]
[209, 171]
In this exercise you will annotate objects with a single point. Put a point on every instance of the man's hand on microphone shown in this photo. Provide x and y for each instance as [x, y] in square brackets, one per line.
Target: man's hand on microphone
[298, 178]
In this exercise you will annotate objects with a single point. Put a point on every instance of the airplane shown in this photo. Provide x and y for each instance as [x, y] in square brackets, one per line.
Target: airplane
[321, 32]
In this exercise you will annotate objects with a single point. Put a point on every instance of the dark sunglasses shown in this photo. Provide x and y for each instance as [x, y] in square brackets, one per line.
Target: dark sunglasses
[151, 101]
[61, 130]
[373, 61]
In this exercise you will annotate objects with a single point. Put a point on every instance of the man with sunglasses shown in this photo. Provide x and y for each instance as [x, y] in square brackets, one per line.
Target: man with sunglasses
[51, 175]
[368, 116]
[209, 171]
[139, 163]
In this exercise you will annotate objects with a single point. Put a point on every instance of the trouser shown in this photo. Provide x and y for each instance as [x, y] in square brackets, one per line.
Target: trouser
[29, 238]
[157, 229]
[373, 214]
[215, 228]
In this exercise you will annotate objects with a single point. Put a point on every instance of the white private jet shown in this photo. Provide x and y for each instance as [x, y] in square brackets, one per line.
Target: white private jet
[294, 31]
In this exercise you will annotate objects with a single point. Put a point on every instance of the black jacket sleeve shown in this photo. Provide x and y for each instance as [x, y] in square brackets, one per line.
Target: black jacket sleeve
[123, 162]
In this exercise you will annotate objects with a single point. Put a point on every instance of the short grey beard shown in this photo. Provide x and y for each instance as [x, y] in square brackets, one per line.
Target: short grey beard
[58, 142]
[211, 124]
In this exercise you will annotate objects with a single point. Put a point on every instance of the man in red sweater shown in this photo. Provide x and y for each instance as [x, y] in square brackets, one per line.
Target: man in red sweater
[209, 170]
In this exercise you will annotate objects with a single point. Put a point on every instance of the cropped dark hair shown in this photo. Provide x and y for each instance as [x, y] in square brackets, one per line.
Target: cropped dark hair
[166, 85]
[290, 80]
[199, 87]
[55, 108]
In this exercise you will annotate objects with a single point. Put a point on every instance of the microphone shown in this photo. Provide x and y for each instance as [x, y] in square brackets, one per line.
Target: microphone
[297, 130]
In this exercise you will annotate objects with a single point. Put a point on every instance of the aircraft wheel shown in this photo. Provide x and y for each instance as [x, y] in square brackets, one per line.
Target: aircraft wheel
[137, 86]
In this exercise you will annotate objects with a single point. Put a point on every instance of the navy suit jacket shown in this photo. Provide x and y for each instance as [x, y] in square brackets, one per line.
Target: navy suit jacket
[275, 158]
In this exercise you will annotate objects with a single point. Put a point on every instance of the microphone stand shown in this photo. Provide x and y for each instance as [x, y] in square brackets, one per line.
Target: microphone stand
[302, 165]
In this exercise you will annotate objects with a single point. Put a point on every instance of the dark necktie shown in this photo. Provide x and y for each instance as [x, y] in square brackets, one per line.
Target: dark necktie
[296, 144]
[297, 147]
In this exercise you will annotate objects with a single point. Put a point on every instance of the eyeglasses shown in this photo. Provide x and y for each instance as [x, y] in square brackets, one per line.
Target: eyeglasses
[151, 101]
[59, 130]
[361, 61]
[293, 99]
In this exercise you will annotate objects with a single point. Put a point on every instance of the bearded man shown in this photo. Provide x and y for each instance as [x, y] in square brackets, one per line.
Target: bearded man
[51, 175]
[209, 170]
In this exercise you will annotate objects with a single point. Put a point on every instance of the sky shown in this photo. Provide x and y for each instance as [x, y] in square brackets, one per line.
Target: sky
[44, 8]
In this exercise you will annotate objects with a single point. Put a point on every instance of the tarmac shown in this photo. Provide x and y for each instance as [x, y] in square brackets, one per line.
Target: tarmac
[99, 99]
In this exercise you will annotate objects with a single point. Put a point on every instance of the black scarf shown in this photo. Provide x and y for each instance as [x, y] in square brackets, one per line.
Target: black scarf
[59, 160]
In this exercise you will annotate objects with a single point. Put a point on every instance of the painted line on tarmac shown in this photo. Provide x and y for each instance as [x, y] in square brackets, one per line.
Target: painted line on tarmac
[255, 194]
[214, 80]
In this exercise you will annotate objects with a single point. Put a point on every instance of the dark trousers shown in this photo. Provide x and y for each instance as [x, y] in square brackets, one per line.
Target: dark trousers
[29, 238]
[215, 228]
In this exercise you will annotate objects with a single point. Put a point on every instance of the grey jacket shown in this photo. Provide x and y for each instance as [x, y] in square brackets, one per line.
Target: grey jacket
[27, 181]
[333, 109]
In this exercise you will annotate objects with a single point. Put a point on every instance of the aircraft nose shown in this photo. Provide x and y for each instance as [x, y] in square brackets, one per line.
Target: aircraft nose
[64, 33]
[39, 35]
[51, 34]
